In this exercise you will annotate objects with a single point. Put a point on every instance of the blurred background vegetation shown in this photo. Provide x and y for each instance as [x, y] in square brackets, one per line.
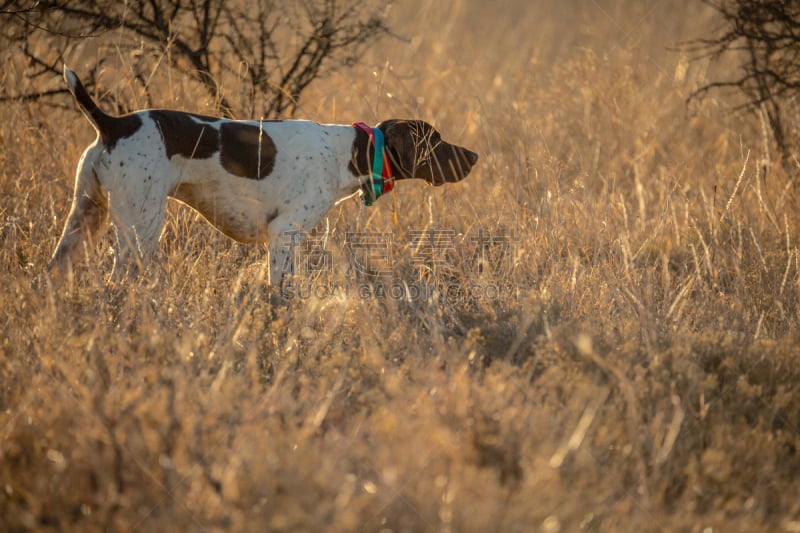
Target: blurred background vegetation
[640, 372]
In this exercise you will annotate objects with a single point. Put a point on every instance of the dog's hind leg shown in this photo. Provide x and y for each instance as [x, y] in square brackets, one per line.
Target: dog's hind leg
[137, 204]
[88, 217]
[136, 240]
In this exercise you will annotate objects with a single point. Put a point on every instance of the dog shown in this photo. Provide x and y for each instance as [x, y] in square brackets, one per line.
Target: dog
[255, 181]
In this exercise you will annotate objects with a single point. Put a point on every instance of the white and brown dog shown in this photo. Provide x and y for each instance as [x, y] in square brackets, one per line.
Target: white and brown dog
[253, 180]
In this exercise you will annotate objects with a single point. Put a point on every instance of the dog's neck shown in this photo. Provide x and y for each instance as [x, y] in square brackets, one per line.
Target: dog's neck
[359, 155]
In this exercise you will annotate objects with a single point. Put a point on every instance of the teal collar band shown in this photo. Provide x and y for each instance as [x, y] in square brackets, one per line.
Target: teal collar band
[380, 180]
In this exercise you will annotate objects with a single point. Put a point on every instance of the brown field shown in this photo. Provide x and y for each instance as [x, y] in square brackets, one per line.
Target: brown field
[606, 340]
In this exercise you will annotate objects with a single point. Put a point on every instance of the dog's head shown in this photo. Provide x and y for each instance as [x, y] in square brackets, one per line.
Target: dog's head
[416, 150]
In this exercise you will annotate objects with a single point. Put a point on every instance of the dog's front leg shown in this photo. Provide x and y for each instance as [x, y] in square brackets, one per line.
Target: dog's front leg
[286, 235]
[281, 268]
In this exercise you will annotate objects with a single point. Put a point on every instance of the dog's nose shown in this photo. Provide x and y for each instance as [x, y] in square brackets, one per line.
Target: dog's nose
[472, 157]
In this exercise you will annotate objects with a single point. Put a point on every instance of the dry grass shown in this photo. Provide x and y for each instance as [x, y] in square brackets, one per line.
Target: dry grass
[641, 374]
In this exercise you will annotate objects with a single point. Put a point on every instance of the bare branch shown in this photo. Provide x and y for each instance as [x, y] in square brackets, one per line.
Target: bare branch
[280, 50]
[765, 36]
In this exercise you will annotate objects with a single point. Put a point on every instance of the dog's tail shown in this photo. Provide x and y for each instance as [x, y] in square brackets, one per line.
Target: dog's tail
[101, 121]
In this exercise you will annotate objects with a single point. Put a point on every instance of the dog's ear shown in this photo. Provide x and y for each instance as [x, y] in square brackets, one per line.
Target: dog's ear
[400, 147]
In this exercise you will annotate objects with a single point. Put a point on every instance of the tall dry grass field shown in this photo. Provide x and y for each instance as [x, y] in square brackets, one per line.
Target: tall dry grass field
[601, 335]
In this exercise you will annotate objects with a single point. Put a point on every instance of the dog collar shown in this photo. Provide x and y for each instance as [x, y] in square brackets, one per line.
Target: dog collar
[380, 179]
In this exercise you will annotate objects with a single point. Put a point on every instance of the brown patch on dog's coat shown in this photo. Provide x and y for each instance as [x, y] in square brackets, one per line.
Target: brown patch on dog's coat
[246, 150]
[187, 135]
[121, 128]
